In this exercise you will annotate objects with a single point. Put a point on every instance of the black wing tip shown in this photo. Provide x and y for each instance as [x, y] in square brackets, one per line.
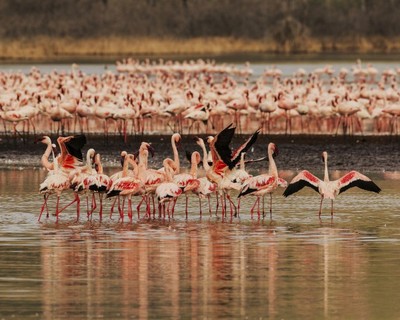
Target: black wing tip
[245, 192]
[113, 193]
[75, 145]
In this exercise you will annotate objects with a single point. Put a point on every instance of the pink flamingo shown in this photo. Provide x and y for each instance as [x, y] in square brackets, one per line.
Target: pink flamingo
[126, 186]
[330, 189]
[184, 179]
[97, 183]
[168, 191]
[264, 184]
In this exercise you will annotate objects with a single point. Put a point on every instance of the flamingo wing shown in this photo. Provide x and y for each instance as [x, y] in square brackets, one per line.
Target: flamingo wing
[356, 179]
[303, 179]
[75, 145]
[257, 183]
[221, 144]
[235, 158]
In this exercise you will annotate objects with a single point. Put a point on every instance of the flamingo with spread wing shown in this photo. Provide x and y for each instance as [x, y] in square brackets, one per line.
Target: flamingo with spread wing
[330, 189]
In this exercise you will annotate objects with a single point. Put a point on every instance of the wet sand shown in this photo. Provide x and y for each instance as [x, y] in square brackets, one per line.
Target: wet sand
[362, 153]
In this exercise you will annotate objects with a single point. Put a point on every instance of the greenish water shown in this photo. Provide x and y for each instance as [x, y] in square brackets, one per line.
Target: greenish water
[293, 267]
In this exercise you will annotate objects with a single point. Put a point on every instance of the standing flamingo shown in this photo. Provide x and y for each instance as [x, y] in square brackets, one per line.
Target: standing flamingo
[168, 191]
[224, 160]
[97, 182]
[183, 179]
[264, 184]
[330, 189]
[126, 186]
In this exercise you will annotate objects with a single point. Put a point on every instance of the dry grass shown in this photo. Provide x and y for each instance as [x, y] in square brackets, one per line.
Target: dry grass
[49, 48]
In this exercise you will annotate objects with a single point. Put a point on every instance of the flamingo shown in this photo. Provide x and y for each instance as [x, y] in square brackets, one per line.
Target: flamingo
[184, 179]
[77, 176]
[206, 187]
[199, 114]
[44, 160]
[97, 182]
[69, 158]
[224, 160]
[56, 182]
[47, 165]
[330, 189]
[264, 184]
[168, 191]
[126, 186]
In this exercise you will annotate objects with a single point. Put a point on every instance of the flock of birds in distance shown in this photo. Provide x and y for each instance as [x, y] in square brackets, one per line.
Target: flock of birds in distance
[225, 172]
[199, 97]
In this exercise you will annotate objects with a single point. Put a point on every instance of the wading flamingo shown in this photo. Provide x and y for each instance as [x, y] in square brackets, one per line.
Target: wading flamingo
[264, 184]
[330, 189]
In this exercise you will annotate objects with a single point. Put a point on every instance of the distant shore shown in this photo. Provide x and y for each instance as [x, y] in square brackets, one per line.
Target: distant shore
[45, 48]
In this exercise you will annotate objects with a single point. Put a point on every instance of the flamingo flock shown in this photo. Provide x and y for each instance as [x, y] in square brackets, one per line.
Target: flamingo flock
[225, 178]
[199, 97]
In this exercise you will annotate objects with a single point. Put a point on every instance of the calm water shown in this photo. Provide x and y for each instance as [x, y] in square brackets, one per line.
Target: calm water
[294, 267]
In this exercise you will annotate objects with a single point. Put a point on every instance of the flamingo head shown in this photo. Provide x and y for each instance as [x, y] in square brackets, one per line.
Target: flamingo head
[196, 157]
[274, 149]
[176, 138]
[123, 156]
[150, 149]
[210, 139]
[324, 156]
[44, 139]
[198, 140]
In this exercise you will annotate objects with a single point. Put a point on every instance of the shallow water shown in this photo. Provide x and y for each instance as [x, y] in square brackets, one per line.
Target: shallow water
[293, 267]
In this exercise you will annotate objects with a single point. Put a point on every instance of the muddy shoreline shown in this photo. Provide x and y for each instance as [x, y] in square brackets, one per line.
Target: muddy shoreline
[363, 153]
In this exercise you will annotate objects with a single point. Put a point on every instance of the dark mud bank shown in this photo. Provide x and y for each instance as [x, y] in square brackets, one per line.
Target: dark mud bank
[363, 153]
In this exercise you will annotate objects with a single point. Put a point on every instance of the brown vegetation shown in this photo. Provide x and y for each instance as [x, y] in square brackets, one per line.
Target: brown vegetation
[59, 29]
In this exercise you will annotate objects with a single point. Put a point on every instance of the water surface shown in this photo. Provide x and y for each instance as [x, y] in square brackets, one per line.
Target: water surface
[293, 267]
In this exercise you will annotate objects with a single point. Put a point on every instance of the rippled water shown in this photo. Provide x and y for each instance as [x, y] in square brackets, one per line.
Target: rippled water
[295, 266]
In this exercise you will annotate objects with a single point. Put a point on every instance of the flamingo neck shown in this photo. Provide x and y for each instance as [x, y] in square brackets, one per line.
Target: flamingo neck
[176, 156]
[125, 167]
[45, 157]
[326, 173]
[99, 166]
[135, 167]
[168, 173]
[193, 168]
[88, 160]
[205, 159]
[273, 170]
[143, 160]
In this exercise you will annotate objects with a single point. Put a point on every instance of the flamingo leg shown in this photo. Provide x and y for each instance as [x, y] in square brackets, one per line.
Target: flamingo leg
[232, 205]
[93, 205]
[57, 204]
[45, 197]
[201, 213]
[130, 208]
[270, 206]
[78, 201]
[112, 207]
[101, 206]
[320, 206]
[254, 205]
[173, 207]
[332, 207]
[138, 207]
[186, 205]
[217, 206]
[121, 209]
[238, 208]
[209, 205]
